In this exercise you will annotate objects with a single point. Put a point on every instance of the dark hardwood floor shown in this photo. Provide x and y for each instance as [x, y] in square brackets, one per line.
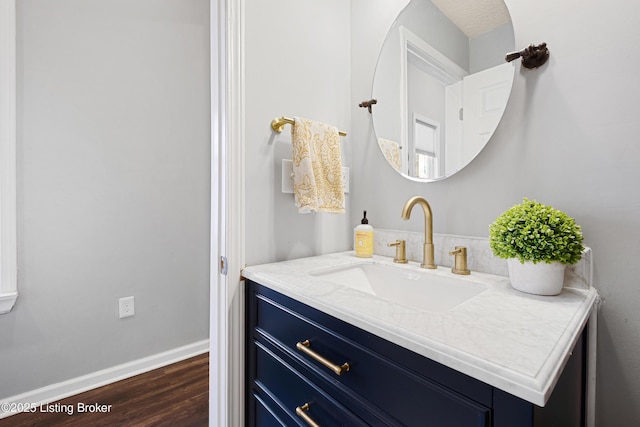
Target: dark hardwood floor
[175, 395]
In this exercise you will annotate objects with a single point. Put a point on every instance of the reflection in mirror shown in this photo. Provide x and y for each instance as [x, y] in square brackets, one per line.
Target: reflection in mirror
[442, 84]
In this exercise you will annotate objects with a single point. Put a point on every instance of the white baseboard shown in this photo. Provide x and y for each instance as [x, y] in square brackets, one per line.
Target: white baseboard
[61, 390]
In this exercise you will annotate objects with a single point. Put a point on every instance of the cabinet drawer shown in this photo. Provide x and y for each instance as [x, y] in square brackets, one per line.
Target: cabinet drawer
[408, 396]
[293, 396]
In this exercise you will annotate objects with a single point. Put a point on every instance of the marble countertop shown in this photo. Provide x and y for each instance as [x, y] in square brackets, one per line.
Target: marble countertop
[514, 341]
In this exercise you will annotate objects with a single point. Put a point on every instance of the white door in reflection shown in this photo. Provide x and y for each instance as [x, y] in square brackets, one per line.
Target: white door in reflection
[485, 96]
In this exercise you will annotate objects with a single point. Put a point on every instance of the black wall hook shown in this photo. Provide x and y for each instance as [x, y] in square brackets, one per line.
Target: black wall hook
[368, 104]
[532, 56]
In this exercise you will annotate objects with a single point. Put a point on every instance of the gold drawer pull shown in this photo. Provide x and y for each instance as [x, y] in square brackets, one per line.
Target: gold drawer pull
[301, 411]
[304, 347]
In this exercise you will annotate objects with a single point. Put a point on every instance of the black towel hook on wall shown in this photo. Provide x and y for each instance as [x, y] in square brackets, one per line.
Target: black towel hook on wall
[368, 104]
[532, 56]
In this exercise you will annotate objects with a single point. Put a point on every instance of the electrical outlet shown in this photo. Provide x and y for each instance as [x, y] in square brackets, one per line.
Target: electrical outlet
[345, 179]
[127, 307]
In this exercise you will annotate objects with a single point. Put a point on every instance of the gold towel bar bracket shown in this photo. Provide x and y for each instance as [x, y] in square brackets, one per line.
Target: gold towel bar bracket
[278, 123]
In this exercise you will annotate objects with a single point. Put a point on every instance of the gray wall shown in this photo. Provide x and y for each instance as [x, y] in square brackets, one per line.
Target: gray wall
[297, 64]
[569, 138]
[113, 186]
[488, 50]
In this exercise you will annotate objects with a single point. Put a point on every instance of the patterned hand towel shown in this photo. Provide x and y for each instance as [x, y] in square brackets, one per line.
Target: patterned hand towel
[317, 167]
[391, 151]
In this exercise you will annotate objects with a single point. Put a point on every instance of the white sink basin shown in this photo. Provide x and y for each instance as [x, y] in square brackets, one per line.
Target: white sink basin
[428, 290]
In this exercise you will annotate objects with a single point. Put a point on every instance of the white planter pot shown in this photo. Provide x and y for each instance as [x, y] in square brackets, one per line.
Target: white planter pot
[538, 279]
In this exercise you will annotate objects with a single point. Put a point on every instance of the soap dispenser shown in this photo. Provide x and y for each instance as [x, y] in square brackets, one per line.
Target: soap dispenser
[363, 242]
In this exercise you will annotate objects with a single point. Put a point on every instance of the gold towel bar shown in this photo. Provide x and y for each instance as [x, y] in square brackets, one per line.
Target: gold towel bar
[278, 123]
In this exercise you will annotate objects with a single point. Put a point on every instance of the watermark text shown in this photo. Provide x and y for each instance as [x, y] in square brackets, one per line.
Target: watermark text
[67, 408]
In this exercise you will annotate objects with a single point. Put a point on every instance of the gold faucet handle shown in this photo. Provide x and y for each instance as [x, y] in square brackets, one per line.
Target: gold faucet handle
[460, 262]
[401, 251]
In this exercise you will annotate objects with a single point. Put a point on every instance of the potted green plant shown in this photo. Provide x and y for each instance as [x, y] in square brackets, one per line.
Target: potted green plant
[538, 242]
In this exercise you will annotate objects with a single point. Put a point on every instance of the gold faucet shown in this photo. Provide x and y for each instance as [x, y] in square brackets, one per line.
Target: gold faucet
[427, 248]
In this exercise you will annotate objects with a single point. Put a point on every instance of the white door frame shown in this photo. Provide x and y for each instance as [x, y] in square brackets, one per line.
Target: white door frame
[441, 68]
[8, 114]
[226, 366]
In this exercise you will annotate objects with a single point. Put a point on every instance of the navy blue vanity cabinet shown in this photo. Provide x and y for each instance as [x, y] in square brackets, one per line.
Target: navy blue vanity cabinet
[304, 366]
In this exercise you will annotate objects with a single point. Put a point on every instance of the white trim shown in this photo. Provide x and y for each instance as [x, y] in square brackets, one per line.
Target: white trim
[8, 244]
[218, 361]
[592, 347]
[7, 299]
[234, 220]
[218, 335]
[438, 64]
[442, 68]
[61, 390]
[226, 389]
[217, 318]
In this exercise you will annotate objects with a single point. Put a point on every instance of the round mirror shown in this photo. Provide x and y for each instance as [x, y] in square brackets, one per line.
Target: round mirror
[442, 84]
